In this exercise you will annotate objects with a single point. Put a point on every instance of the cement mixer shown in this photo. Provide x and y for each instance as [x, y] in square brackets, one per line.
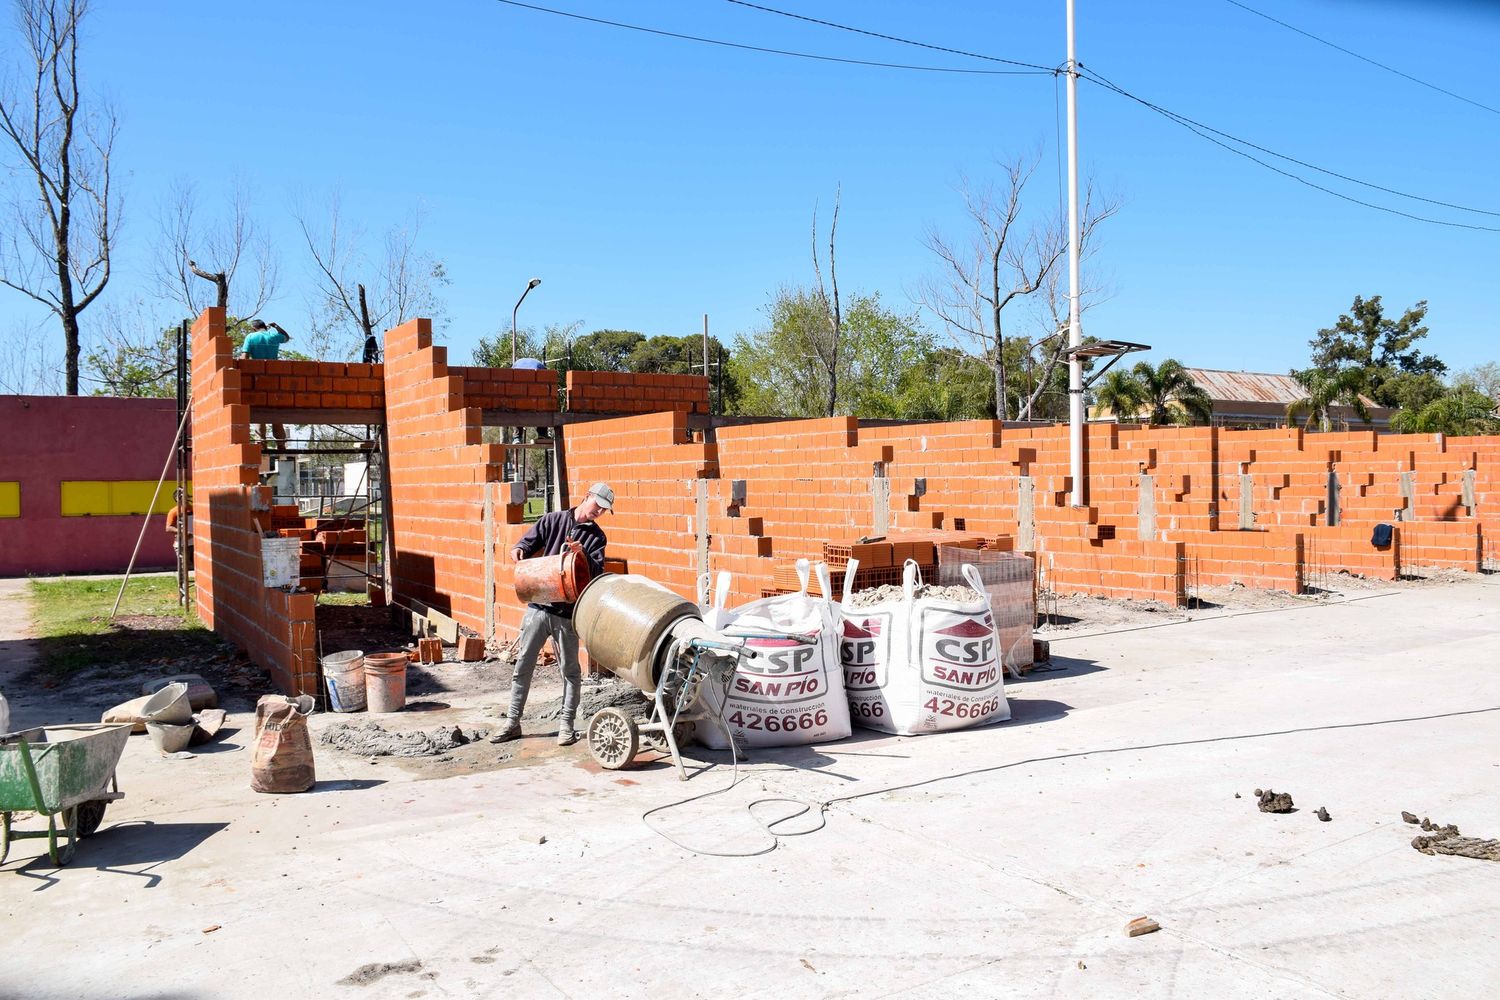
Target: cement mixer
[652, 638]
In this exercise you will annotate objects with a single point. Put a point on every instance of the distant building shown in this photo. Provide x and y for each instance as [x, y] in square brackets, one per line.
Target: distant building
[1260, 399]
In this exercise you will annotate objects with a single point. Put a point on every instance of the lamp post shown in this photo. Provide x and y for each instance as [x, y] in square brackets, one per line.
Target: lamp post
[529, 286]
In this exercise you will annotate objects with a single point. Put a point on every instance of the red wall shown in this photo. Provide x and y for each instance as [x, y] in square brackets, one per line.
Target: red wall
[45, 440]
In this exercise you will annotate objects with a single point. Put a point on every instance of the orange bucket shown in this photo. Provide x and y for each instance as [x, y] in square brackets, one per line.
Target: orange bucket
[555, 579]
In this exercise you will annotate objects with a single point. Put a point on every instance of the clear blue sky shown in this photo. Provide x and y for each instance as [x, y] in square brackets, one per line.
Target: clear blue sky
[648, 181]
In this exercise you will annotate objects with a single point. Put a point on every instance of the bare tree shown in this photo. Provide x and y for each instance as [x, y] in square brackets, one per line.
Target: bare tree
[226, 246]
[29, 365]
[401, 284]
[58, 248]
[827, 341]
[1006, 260]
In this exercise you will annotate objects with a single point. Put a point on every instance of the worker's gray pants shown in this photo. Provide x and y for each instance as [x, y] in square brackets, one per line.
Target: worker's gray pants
[535, 628]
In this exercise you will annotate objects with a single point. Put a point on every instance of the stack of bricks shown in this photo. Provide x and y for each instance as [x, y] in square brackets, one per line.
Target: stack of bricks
[627, 392]
[325, 385]
[276, 629]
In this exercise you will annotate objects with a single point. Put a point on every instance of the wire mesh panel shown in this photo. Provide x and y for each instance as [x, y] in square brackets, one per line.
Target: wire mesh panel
[1008, 580]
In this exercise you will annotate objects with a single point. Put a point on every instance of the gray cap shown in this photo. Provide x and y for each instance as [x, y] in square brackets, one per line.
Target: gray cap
[603, 495]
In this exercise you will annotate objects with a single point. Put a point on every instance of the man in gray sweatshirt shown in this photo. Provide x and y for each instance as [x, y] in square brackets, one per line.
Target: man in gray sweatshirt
[547, 538]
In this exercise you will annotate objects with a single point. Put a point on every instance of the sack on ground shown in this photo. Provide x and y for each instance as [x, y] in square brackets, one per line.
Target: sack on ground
[921, 665]
[283, 758]
[792, 691]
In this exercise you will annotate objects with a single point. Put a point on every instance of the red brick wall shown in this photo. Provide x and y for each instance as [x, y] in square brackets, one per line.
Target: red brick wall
[277, 629]
[439, 466]
[624, 392]
[311, 384]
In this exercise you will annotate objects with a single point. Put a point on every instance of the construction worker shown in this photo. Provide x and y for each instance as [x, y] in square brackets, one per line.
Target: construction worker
[180, 523]
[547, 538]
[264, 345]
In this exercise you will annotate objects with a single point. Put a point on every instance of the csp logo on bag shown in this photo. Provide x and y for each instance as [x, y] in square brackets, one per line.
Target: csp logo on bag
[785, 672]
[864, 649]
[958, 651]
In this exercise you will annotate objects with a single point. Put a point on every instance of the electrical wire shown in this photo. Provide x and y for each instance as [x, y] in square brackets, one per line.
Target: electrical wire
[1363, 58]
[893, 38]
[1208, 134]
[779, 52]
[823, 805]
[1093, 76]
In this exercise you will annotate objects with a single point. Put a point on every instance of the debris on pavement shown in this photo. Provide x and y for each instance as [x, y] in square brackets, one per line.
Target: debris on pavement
[371, 739]
[1322, 814]
[1274, 802]
[1141, 925]
[375, 971]
[1447, 840]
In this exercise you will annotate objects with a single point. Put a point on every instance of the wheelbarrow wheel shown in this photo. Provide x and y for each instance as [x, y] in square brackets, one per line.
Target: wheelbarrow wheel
[613, 738]
[90, 815]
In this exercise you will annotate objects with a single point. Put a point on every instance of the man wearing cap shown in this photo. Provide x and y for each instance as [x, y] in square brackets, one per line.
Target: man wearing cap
[547, 538]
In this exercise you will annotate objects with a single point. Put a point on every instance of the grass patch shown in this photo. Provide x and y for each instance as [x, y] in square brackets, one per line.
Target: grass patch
[344, 599]
[74, 631]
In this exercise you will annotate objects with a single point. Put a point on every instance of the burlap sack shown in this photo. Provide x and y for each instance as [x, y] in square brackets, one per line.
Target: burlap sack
[283, 758]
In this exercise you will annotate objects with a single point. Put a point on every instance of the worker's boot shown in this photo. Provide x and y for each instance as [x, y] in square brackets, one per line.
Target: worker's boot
[510, 731]
[566, 734]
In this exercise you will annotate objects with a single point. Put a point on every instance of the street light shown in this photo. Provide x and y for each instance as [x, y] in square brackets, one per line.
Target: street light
[529, 286]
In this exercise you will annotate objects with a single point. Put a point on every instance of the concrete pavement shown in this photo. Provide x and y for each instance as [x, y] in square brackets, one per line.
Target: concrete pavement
[1110, 795]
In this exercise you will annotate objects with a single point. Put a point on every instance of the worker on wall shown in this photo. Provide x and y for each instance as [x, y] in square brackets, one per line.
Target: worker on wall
[547, 538]
[263, 343]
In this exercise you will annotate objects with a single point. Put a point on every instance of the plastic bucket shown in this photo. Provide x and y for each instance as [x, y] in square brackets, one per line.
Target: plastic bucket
[555, 579]
[385, 682]
[170, 738]
[344, 676]
[169, 706]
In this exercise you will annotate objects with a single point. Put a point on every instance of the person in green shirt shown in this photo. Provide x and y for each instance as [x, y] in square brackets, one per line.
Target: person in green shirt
[264, 344]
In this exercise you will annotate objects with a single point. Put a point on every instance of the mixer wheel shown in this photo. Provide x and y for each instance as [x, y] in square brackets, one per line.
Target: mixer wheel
[682, 732]
[613, 738]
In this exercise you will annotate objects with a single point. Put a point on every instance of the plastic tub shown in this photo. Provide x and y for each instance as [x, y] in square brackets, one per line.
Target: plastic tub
[169, 706]
[385, 682]
[344, 676]
[170, 738]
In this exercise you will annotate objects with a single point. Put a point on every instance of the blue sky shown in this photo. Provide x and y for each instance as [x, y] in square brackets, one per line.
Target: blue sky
[648, 181]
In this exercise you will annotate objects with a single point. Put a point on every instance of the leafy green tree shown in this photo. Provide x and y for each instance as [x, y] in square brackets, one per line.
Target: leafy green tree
[781, 372]
[606, 350]
[1383, 348]
[1483, 379]
[1165, 394]
[1459, 413]
[1325, 390]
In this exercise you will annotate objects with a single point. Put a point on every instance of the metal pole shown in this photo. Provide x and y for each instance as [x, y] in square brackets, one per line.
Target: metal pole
[705, 346]
[529, 286]
[1075, 328]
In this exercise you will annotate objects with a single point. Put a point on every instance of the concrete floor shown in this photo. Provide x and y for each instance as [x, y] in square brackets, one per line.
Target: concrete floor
[1111, 795]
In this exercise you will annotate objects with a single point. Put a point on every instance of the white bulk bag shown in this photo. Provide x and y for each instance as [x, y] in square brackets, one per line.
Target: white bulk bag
[791, 692]
[922, 665]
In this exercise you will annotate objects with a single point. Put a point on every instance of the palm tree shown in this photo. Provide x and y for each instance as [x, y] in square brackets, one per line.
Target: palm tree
[1167, 393]
[1325, 390]
[1121, 394]
[1460, 413]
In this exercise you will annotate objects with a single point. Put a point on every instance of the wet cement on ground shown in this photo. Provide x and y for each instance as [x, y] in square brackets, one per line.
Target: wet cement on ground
[371, 739]
[1447, 840]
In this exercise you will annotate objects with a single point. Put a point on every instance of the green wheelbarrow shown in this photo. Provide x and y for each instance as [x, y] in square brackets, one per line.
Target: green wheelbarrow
[66, 773]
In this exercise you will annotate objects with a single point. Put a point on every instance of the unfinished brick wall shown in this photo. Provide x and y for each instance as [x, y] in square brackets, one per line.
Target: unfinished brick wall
[1163, 507]
[629, 392]
[311, 384]
[439, 466]
[277, 629]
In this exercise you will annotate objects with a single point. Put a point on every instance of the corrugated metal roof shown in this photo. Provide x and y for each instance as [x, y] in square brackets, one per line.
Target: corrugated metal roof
[1260, 387]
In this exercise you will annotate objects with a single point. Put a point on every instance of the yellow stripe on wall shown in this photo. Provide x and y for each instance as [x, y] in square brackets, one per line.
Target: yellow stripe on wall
[10, 499]
[91, 498]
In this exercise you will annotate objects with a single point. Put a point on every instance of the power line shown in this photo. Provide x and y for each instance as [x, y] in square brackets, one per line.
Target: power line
[1361, 58]
[778, 52]
[1209, 135]
[890, 38]
[1208, 132]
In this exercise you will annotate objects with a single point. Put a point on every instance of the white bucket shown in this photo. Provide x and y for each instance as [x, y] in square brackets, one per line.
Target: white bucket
[344, 675]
